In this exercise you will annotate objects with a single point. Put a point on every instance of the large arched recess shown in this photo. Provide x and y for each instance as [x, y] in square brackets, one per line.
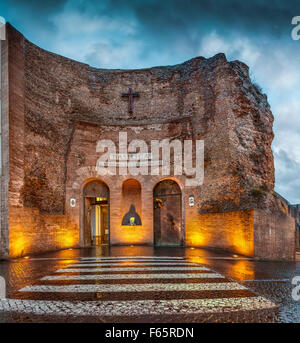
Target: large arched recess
[96, 205]
[168, 228]
[131, 200]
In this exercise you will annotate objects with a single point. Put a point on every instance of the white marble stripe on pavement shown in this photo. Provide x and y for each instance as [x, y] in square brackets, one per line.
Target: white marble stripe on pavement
[125, 269]
[136, 307]
[152, 287]
[105, 264]
[224, 258]
[268, 280]
[132, 257]
[111, 258]
[133, 276]
[132, 261]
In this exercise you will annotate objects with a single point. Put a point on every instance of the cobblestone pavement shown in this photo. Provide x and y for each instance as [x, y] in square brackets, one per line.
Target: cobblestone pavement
[145, 284]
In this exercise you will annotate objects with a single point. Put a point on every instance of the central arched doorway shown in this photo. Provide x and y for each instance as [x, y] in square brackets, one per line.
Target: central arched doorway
[168, 229]
[96, 213]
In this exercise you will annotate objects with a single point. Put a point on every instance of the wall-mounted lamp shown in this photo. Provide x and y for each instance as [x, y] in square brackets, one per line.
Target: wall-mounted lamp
[72, 202]
[191, 201]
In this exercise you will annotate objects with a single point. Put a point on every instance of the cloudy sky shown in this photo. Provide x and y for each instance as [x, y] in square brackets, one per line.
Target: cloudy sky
[145, 33]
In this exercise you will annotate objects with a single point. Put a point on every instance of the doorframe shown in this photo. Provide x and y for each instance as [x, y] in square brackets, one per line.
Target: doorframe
[108, 238]
[180, 185]
[82, 212]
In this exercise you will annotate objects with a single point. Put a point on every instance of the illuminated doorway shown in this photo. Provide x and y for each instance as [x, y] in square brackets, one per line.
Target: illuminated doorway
[99, 223]
[96, 214]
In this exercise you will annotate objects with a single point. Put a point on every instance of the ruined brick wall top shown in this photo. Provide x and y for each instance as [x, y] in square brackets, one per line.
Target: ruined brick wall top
[223, 106]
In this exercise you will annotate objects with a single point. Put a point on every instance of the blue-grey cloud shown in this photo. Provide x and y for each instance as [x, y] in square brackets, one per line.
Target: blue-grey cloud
[136, 33]
[176, 15]
[288, 181]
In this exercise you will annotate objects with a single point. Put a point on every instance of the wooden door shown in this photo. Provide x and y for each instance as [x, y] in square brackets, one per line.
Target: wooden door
[167, 214]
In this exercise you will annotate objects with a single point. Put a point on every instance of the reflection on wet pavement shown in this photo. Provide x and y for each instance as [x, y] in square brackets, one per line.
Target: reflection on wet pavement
[133, 284]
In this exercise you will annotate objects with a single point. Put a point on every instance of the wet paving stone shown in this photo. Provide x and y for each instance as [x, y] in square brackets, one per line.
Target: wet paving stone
[144, 284]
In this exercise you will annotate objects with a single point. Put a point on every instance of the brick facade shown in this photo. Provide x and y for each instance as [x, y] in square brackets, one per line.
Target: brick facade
[56, 111]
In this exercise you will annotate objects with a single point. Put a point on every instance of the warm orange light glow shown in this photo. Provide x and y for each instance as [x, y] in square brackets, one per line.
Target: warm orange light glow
[66, 238]
[238, 269]
[232, 231]
[32, 232]
[132, 234]
[242, 270]
[197, 259]
[19, 244]
[196, 235]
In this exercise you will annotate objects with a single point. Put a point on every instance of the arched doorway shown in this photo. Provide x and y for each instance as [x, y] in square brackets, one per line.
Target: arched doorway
[96, 213]
[168, 229]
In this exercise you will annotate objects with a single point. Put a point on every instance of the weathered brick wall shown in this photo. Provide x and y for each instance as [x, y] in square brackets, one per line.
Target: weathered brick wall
[215, 95]
[4, 150]
[256, 233]
[12, 116]
[16, 116]
[231, 231]
[30, 232]
[59, 109]
[274, 236]
[81, 167]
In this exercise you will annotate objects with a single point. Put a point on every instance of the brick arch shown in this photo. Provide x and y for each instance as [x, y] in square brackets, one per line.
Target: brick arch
[95, 188]
[88, 174]
[173, 178]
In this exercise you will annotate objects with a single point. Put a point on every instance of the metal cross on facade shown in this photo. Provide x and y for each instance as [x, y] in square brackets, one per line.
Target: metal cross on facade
[130, 96]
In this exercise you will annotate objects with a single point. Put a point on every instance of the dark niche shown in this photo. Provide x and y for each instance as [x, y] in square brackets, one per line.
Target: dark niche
[131, 217]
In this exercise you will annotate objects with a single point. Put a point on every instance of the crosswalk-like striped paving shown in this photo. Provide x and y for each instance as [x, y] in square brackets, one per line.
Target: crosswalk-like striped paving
[134, 286]
[134, 276]
[104, 264]
[130, 269]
